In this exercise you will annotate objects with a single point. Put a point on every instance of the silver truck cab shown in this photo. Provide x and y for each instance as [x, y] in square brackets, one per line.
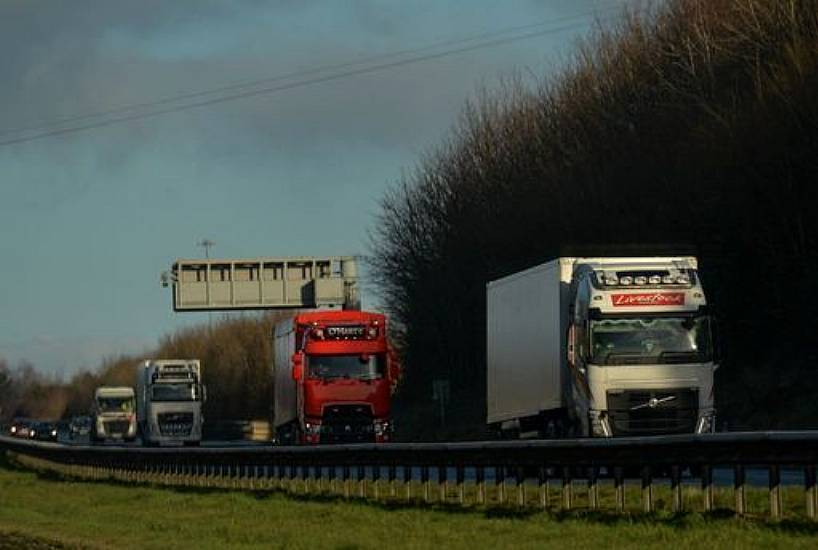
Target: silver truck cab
[170, 395]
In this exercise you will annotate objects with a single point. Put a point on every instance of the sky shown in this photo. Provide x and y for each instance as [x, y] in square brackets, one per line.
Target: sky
[89, 219]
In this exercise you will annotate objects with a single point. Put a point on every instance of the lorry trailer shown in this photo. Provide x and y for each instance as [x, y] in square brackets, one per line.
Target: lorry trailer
[170, 394]
[113, 413]
[600, 347]
[333, 378]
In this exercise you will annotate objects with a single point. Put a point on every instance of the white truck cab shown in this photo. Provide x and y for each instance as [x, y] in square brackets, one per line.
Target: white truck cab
[114, 414]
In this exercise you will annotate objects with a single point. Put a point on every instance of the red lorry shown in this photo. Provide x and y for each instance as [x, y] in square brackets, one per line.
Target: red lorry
[334, 372]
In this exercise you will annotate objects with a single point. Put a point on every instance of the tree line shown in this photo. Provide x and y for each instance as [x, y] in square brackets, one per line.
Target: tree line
[693, 123]
[236, 357]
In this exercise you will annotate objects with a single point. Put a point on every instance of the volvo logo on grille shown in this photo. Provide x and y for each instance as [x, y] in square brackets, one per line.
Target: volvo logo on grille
[654, 402]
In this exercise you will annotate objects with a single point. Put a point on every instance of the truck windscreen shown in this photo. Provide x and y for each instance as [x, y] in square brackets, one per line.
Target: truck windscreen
[358, 367]
[175, 392]
[115, 404]
[651, 340]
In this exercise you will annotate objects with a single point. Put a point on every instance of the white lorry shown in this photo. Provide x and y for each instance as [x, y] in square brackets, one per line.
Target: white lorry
[169, 401]
[600, 347]
[113, 413]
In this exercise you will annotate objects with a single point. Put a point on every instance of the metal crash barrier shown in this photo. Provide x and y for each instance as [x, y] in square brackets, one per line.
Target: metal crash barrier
[478, 473]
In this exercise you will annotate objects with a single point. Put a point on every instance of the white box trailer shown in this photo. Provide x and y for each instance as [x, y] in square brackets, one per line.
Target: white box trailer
[527, 323]
[285, 410]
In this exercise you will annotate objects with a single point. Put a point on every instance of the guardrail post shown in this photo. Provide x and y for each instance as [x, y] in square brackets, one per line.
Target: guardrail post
[332, 474]
[424, 478]
[500, 482]
[376, 481]
[707, 487]
[519, 479]
[305, 477]
[407, 481]
[593, 488]
[345, 474]
[811, 494]
[461, 489]
[393, 475]
[775, 492]
[738, 489]
[443, 483]
[542, 485]
[292, 481]
[361, 481]
[480, 481]
[676, 489]
[647, 490]
[318, 476]
[567, 488]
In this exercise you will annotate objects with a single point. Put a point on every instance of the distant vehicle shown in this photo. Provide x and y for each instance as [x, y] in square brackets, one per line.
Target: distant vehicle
[20, 427]
[169, 401]
[114, 414]
[334, 373]
[600, 347]
[79, 426]
[43, 431]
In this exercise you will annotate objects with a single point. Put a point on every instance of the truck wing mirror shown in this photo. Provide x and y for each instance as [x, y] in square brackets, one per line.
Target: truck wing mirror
[298, 366]
[572, 355]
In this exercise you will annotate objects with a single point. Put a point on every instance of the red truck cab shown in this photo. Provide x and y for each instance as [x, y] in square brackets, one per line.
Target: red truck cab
[342, 373]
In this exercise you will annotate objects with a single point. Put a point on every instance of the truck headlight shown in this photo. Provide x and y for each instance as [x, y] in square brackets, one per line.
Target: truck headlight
[707, 423]
[598, 424]
[381, 427]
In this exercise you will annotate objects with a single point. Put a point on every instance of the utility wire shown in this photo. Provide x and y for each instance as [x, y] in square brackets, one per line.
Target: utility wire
[272, 89]
[300, 73]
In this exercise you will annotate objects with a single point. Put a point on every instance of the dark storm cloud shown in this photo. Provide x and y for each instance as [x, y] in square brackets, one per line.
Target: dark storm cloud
[63, 59]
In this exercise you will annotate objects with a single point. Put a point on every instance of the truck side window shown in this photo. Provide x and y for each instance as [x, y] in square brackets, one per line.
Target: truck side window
[580, 342]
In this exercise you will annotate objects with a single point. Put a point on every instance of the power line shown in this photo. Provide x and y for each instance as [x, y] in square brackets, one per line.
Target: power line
[300, 73]
[274, 89]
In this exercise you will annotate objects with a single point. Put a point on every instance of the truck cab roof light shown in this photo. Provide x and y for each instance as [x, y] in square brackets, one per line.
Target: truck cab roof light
[668, 279]
[683, 279]
[626, 280]
[611, 280]
[640, 280]
[654, 279]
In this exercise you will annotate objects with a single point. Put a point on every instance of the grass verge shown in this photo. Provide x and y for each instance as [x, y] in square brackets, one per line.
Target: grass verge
[51, 511]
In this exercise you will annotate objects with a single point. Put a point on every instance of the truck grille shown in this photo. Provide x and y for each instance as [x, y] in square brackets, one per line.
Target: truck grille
[116, 428]
[347, 424]
[653, 412]
[175, 424]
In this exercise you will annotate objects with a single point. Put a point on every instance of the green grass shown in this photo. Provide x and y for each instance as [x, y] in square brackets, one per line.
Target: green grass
[43, 508]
